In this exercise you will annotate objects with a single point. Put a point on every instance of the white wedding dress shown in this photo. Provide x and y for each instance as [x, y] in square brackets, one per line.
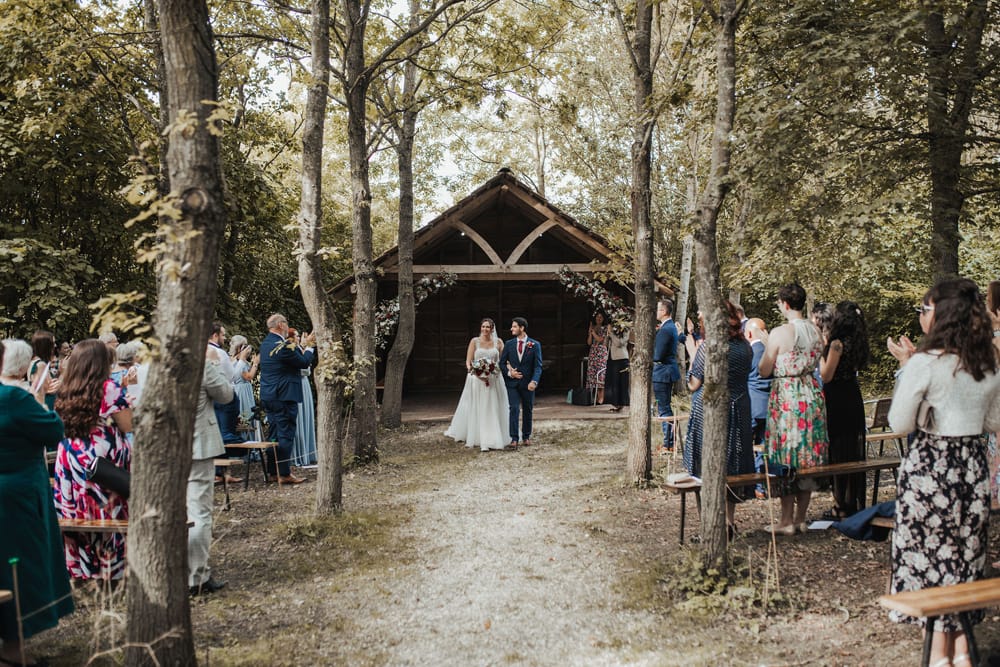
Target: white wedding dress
[482, 416]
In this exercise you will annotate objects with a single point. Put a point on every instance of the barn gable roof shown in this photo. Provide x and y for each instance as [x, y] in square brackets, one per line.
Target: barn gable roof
[503, 230]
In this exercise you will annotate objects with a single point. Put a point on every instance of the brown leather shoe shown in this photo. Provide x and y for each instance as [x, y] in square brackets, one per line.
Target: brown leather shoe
[233, 480]
[526, 443]
[291, 479]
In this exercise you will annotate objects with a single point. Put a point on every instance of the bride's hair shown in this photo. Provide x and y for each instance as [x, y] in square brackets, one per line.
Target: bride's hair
[493, 327]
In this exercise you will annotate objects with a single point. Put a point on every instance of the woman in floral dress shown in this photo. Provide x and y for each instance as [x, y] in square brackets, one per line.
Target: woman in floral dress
[96, 415]
[597, 359]
[796, 433]
[948, 391]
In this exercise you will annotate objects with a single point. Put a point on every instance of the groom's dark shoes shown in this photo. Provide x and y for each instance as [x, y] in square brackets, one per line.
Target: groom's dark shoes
[526, 443]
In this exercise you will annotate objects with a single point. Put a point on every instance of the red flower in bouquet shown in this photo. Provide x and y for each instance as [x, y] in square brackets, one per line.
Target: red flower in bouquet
[483, 369]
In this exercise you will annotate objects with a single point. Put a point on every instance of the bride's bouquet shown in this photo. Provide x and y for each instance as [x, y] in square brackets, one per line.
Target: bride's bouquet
[483, 369]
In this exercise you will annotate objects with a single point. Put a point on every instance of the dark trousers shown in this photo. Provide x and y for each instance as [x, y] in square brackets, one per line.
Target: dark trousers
[281, 415]
[228, 416]
[664, 391]
[520, 398]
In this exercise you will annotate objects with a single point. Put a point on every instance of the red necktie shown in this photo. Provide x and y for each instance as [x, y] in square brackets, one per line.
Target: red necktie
[520, 347]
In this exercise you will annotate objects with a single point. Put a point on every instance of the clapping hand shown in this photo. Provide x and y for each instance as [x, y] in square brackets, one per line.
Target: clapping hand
[902, 349]
[309, 340]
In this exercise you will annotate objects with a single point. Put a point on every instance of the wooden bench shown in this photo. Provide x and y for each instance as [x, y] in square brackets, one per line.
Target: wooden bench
[226, 464]
[256, 445]
[6, 596]
[932, 603]
[750, 479]
[899, 439]
[676, 421]
[884, 522]
[94, 526]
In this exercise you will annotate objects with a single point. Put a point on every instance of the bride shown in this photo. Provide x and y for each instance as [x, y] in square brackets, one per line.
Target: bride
[482, 414]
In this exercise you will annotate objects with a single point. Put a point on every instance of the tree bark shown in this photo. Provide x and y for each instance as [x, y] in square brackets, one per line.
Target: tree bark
[356, 84]
[159, 620]
[715, 394]
[152, 26]
[395, 365]
[329, 382]
[639, 463]
[952, 76]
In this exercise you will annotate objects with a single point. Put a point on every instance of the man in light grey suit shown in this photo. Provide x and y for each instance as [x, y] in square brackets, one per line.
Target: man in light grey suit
[207, 445]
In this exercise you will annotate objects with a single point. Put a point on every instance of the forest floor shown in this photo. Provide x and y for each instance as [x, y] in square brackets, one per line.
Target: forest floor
[448, 556]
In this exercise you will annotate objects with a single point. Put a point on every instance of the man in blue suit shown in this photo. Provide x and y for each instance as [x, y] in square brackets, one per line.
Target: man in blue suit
[665, 369]
[521, 366]
[281, 387]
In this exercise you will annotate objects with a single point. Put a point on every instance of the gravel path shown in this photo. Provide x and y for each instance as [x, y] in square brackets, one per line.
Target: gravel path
[508, 570]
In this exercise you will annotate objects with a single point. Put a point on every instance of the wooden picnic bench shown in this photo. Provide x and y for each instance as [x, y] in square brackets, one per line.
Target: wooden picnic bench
[94, 525]
[694, 486]
[226, 464]
[932, 603]
[256, 445]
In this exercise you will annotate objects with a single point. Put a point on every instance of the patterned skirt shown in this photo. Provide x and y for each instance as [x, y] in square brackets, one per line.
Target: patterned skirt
[942, 517]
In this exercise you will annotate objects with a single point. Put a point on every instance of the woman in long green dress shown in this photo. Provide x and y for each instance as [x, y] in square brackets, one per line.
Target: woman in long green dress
[28, 521]
[796, 434]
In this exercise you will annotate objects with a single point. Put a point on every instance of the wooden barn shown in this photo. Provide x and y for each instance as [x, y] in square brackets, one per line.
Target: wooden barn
[506, 244]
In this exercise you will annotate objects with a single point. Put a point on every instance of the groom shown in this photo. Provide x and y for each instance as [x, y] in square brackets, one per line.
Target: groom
[521, 365]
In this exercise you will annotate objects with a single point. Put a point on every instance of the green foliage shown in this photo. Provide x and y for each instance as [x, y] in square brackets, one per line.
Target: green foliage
[42, 287]
[704, 590]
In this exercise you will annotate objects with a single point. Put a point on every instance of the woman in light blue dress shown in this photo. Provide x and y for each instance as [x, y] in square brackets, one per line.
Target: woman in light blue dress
[246, 369]
[304, 447]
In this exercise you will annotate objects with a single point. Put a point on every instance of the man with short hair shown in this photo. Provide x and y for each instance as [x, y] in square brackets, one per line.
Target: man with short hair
[281, 388]
[521, 367]
[109, 338]
[207, 445]
[665, 369]
[226, 414]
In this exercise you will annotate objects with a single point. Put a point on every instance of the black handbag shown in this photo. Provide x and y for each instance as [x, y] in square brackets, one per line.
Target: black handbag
[110, 477]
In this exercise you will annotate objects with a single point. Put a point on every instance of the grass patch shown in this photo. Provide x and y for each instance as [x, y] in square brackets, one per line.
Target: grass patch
[689, 589]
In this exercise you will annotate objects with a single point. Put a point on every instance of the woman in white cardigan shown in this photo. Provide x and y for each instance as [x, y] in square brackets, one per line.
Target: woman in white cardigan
[948, 391]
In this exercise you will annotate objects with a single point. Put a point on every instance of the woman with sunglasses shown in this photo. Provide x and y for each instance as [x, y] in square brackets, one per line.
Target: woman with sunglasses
[948, 391]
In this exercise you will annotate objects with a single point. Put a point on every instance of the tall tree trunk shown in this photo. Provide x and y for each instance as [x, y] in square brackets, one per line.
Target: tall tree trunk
[329, 389]
[953, 56]
[152, 22]
[395, 365]
[715, 395]
[639, 463]
[159, 619]
[356, 89]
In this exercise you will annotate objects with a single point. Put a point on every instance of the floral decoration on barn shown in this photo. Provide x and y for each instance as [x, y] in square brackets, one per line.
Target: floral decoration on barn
[387, 312]
[618, 313]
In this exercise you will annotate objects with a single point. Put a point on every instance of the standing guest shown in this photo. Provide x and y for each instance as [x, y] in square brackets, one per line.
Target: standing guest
[17, 359]
[109, 339]
[617, 378]
[207, 445]
[665, 369]
[125, 372]
[28, 521]
[845, 354]
[796, 414]
[226, 414]
[65, 349]
[97, 416]
[693, 337]
[822, 317]
[597, 358]
[281, 388]
[245, 367]
[739, 441]
[993, 308]
[304, 449]
[759, 389]
[947, 390]
[43, 345]
[141, 365]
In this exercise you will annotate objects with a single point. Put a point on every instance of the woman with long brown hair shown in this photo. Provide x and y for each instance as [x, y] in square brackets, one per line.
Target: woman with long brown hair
[948, 391]
[96, 416]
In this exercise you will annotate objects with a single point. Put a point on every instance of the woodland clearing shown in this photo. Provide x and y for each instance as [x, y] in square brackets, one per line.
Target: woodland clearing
[450, 556]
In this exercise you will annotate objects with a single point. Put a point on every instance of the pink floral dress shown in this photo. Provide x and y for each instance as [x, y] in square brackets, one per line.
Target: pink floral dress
[93, 555]
[796, 433]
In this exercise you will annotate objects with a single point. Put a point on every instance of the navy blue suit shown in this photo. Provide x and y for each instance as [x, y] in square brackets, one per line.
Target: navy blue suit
[759, 389]
[665, 374]
[281, 391]
[530, 367]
